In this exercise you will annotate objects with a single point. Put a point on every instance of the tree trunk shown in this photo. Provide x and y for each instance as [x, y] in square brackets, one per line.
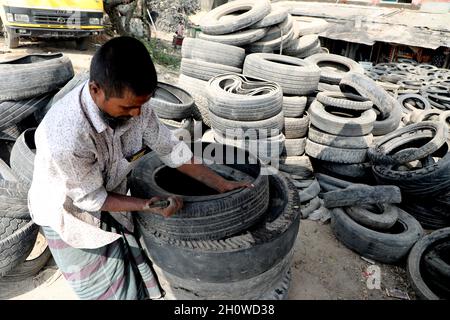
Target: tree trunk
[114, 15]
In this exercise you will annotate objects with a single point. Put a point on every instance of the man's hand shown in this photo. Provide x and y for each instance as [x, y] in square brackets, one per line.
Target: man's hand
[176, 203]
[232, 185]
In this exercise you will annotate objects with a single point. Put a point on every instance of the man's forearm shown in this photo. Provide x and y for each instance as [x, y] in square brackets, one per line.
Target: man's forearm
[203, 174]
[120, 203]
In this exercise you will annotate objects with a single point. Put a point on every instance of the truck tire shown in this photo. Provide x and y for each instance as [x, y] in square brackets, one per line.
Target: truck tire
[33, 75]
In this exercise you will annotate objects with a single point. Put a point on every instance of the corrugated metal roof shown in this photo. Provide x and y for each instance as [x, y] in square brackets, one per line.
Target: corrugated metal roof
[368, 24]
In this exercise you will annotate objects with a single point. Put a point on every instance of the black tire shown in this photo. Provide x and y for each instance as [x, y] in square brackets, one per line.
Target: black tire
[294, 147]
[235, 258]
[332, 154]
[22, 156]
[357, 194]
[5, 172]
[376, 217]
[437, 267]
[15, 247]
[205, 70]
[294, 75]
[319, 136]
[355, 172]
[269, 127]
[212, 24]
[345, 65]
[253, 288]
[341, 123]
[171, 102]
[362, 85]
[12, 112]
[13, 200]
[32, 265]
[294, 106]
[213, 52]
[229, 98]
[210, 216]
[299, 167]
[295, 128]
[309, 207]
[310, 192]
[33, 75]
[415, 263]
[239, 38]
[11, 133]
[344, 101]
[264, 149]
[401, 141]
[387, 247]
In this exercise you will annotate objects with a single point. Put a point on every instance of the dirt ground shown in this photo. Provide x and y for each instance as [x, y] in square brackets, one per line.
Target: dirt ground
[322, 269]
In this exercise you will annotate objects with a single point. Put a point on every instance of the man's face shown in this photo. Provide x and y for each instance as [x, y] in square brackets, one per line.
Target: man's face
[120, 109]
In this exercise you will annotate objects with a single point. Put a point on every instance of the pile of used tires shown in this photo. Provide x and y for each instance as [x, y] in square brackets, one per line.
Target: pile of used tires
[235, 245]
[380, 133]
[27, 85]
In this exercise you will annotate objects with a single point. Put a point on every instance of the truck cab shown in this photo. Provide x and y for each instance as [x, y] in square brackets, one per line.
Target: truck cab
[76, 19]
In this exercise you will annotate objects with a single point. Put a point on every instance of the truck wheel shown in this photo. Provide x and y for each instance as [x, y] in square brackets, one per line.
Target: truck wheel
[11, 41]
[82, 43]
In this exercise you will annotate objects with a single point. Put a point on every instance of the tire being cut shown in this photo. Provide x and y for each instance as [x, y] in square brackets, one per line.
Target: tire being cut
[33, 75]
[210, 216]
[234, 258]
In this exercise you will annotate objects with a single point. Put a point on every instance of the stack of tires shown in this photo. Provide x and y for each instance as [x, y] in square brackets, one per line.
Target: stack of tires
[340, 135]
[201, 61]
[416, 158]
[27, 85]
[297, 79]
[247, 112]
[366, 219]
[235, 245]
[261, 28]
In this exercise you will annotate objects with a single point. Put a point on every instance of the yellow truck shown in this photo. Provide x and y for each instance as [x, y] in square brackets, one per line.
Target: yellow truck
[75, 19]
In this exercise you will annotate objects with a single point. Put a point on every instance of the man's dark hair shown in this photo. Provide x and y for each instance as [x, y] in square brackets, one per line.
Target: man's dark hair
[123, 63]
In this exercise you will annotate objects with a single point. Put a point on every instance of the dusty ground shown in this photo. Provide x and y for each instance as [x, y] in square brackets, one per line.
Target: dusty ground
[322, 269]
